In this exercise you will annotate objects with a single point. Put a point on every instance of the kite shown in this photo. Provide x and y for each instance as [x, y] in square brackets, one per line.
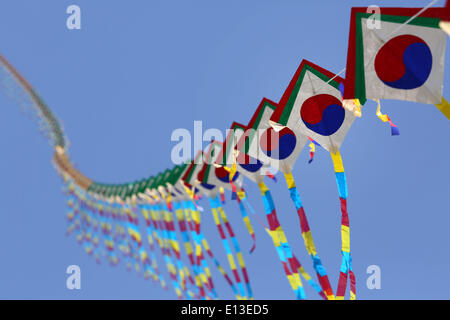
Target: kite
[402, 60]
[312, 107]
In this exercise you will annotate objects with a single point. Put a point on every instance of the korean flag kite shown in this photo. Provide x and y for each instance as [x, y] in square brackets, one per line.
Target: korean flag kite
[403, 59]
[275, 146]
[312, 106]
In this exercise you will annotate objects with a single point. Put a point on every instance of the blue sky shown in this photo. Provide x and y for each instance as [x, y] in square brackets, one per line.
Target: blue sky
[137, 70]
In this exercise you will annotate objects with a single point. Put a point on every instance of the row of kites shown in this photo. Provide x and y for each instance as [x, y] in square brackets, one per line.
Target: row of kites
[402, 60]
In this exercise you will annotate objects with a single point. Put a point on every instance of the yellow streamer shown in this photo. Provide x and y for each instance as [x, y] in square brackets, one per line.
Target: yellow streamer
[337, 161]
[289, 180]
[444, 107]
[383, 117]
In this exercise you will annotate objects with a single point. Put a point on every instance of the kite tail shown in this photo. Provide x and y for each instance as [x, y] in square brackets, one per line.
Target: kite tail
[134, 252]
[179, 216]
[189, 279]
[73, 221]
[346, 266]
[130, 226]
[152, 237]
[126, 249]
[215, 205]
[99, 249]
[201, 238]
[151, 243]
[164, 247]
[385, 118]
[241, 199]
[154, 261]
[444, 107]
[123, 242]
[308, 278]
[110, 241]
[169, 245]
[106, 228]
[96, 240]
[86, 231]
[182, 269]
[308, 238]
[238, 251]
[133, 231]
[200, 261]
[78, 222]
[149, 272]
[271, 176]
[118, 234]
[222, 195]
[312, 150]
[280, 242]
[72, 215]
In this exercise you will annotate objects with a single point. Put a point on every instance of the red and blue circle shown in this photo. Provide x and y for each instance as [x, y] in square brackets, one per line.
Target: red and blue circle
[207, 185]
[224, 176]
[323, 114]
[249, 163]
[278, 145]
[404, 62]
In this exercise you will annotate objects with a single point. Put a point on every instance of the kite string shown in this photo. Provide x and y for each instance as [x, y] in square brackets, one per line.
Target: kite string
[412, 18]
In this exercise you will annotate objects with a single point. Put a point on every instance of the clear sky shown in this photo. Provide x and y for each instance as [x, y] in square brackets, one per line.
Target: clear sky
[137, 70]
